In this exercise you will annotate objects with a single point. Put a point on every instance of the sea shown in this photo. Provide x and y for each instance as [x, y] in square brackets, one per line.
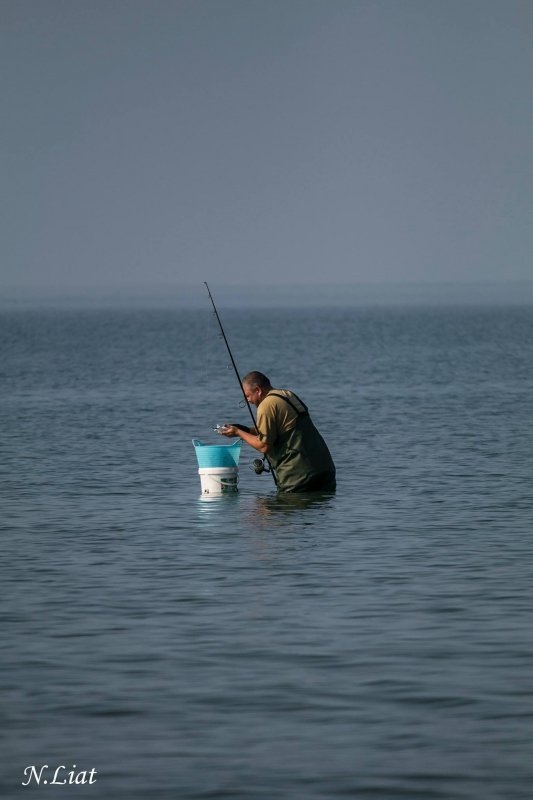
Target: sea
[376, 643]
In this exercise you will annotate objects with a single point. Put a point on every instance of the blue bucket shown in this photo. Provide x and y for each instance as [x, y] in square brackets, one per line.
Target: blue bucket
[216, 455]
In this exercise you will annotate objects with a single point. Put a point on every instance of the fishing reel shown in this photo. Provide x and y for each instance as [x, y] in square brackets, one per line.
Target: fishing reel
[259, 466]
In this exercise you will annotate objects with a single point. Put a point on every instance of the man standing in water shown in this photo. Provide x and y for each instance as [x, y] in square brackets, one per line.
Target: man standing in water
[284, 432]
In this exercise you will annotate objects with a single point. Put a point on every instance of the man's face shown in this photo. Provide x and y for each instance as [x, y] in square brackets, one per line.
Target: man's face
[253, 394]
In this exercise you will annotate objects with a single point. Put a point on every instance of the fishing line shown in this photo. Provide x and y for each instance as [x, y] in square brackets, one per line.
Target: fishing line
[233, 366]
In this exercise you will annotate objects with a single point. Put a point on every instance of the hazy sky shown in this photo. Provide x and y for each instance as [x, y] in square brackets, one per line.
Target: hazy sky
[265, 141]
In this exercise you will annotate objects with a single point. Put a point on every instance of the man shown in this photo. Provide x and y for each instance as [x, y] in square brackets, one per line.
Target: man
[284, 432]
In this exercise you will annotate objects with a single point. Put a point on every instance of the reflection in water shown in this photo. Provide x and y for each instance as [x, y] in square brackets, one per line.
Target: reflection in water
[271, 503]
[273, 523]
[280, 524]
[288, 502]
[219, 500]
[276, 509]
[273, 510]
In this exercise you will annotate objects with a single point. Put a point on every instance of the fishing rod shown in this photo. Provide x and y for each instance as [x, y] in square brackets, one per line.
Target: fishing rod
[234, 366]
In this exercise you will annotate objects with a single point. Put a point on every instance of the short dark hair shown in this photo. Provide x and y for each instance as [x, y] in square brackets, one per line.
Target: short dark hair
[256, 379]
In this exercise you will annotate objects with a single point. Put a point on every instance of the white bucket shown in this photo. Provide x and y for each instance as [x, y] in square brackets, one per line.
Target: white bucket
[219, 480]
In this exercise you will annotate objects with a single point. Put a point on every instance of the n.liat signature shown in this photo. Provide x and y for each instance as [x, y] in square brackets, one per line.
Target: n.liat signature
[59, 775]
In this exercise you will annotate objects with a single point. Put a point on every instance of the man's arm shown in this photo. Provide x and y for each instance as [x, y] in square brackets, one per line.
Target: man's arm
[250, 438]
[243, 428]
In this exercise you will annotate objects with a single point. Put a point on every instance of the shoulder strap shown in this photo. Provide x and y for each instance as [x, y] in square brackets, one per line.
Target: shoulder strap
[301, 402]
[304, 413]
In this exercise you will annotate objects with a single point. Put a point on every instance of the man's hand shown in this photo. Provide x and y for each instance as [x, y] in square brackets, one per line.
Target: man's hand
[249, 437]
[230, 430]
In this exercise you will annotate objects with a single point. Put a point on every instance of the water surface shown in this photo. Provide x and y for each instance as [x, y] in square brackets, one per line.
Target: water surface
[373, 644]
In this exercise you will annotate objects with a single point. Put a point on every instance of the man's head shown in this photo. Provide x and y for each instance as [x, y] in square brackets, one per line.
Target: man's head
[256, 387]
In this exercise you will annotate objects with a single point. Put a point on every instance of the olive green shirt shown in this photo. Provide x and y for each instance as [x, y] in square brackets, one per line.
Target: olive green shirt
[275, 417]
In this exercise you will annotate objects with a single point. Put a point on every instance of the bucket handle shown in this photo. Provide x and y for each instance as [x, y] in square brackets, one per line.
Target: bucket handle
[198, 443]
